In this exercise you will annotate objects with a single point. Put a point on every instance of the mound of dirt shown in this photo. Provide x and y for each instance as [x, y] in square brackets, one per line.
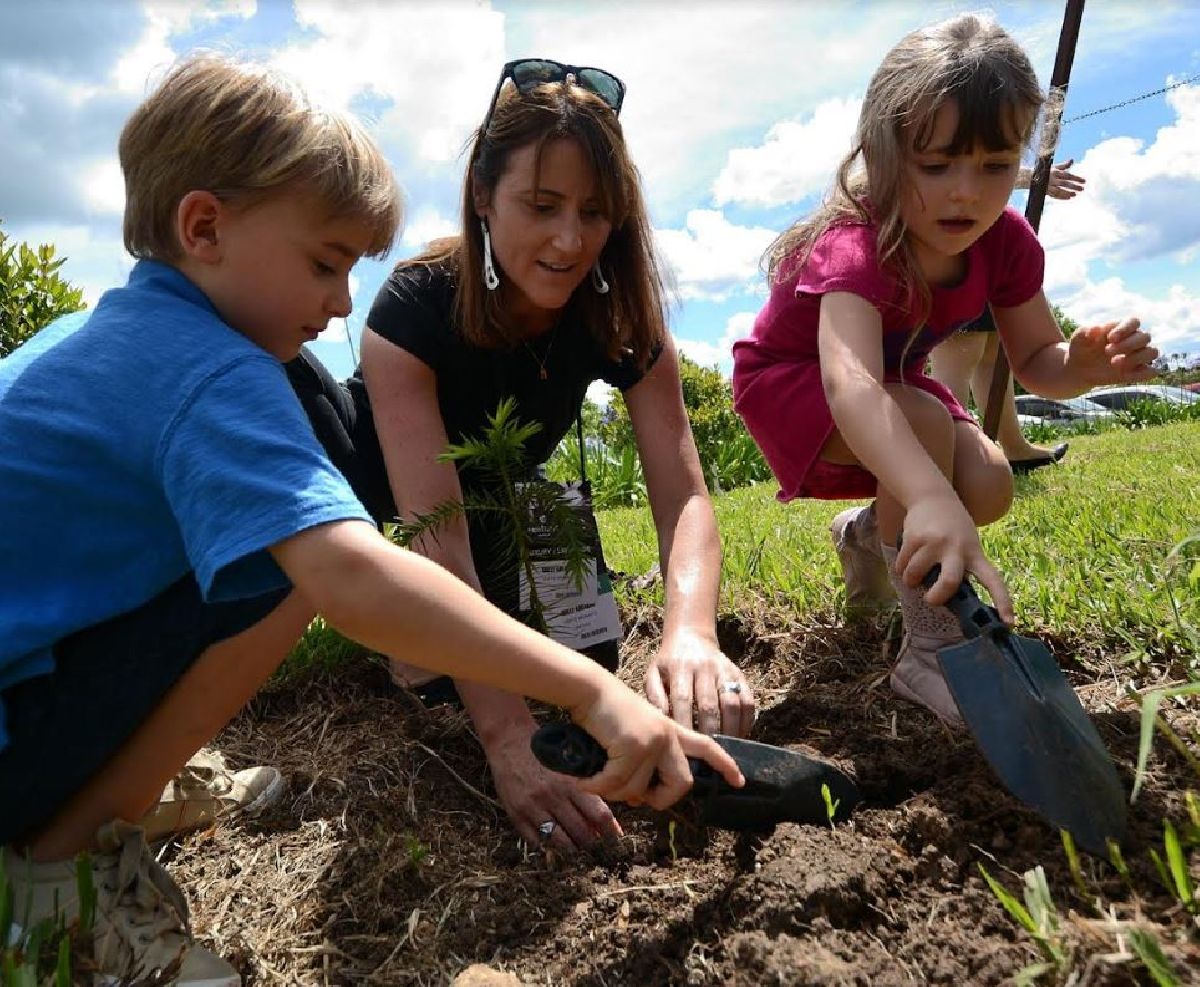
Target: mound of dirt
[391, 863]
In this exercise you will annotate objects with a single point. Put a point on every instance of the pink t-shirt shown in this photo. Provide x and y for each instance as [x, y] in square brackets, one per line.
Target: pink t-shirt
[776, 376]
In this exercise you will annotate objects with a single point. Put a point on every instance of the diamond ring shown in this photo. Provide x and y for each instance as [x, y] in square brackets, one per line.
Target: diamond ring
[546, 829]
[731, 686]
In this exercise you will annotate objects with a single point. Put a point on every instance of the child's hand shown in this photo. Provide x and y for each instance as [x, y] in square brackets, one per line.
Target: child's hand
[939, 531]
[647, 752]
[1114, 353]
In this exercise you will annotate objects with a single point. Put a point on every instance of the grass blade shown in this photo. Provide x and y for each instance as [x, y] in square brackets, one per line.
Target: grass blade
[62, 970]
[1150, 953]
[1178, 866]
[86, 887]
[1163, 876]
[1150, 703]
[1073, 863]
[6, 907]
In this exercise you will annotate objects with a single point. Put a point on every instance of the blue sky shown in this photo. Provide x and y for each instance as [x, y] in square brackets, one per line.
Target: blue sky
[737, 114]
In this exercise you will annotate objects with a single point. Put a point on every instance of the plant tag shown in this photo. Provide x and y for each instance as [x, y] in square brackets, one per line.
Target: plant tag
[578, 615]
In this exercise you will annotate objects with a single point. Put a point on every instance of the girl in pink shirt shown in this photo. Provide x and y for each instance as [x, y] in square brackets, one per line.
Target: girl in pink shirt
[907, 248]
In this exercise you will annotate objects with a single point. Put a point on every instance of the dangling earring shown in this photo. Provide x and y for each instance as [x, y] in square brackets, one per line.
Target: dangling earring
[598, 281]
[490, 279]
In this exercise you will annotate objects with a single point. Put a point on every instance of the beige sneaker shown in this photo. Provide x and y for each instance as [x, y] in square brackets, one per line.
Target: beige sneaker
[204, 790]
[141, 932]
[856, 539]
[917, 677]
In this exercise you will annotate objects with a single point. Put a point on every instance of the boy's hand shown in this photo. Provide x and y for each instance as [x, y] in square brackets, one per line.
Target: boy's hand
[939, 531]
[647, 752]
[1114, 353]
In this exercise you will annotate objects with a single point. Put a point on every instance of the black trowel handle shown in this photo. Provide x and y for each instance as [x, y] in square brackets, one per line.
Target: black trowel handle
[571, 750]
[568, 749]
[974, 616]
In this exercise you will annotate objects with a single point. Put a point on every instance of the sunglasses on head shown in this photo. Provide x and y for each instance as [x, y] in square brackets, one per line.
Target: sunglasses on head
[527, 73]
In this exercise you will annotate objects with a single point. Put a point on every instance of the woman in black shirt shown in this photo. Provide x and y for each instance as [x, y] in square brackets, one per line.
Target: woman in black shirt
[551, 284]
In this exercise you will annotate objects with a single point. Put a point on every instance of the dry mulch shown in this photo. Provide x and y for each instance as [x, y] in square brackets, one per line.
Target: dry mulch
[390, 862]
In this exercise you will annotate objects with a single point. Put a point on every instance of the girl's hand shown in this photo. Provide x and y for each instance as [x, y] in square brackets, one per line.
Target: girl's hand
[691, 669]
[1114, 353]
[939, 531]
[647, 753]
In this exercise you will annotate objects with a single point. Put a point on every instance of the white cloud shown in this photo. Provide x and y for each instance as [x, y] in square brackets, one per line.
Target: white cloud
[600, 393]
[1139, 202]
[153, 53]
[700, 73]
[719, 354]
[713, 258]
[103, 187]
[1172, 321]
[425, 225]
[398, 52]
[797, 159]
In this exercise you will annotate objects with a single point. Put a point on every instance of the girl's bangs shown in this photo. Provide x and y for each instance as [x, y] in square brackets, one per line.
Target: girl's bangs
[995, 124]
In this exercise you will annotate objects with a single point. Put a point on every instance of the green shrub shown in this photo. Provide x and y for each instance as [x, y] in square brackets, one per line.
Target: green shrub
[728, 454]
[32, 295]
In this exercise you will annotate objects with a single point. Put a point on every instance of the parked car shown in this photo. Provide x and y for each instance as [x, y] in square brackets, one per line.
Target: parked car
[1056, 411]
[1120, 398]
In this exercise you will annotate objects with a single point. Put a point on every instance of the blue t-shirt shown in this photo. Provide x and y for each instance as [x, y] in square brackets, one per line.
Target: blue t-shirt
[139, 442]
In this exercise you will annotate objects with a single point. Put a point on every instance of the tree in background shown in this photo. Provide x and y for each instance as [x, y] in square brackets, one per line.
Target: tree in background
[1065, 322]
[32, 295]
[728, 454]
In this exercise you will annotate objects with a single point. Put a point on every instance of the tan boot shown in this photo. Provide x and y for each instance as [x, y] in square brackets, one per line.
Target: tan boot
[856, 539]
[205, 790]
[141, 930]
[917, 676]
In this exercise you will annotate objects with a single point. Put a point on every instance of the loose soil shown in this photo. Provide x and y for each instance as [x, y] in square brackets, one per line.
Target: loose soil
[391, 863]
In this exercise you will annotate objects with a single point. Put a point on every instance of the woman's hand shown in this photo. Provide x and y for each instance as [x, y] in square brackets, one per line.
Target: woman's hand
[939, 531]
[690, 669]
[534, 796]
[647, 753]
[1114, 353]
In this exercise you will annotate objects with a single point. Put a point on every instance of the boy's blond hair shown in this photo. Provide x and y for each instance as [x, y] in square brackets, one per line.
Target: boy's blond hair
[245, 133]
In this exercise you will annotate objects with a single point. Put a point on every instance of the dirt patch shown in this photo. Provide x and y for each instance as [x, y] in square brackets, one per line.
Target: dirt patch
[391, 863]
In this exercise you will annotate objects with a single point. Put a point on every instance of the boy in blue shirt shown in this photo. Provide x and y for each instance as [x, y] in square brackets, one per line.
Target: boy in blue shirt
[171, 524]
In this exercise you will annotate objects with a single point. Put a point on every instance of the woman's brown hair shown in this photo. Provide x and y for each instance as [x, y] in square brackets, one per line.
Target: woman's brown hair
[631, 315]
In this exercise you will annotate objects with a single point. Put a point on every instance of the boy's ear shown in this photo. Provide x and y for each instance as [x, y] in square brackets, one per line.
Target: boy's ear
[197, 226]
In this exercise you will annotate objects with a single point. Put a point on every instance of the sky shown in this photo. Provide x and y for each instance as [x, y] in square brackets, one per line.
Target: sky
[737, 114]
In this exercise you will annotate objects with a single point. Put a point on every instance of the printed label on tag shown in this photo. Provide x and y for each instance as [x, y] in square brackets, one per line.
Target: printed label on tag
[577, 615]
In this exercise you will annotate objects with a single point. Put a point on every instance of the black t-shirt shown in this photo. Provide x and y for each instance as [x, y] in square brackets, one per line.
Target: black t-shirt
[413, 310]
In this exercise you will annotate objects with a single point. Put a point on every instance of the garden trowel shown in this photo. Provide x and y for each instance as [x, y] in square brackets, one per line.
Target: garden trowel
[1030, 725]
[781, 785]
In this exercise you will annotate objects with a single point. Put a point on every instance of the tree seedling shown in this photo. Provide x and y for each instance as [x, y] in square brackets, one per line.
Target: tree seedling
[497, 457]
[831, 804]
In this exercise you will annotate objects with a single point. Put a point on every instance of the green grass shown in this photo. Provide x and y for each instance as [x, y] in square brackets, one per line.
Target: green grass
[1084, 549]
[1085, 552]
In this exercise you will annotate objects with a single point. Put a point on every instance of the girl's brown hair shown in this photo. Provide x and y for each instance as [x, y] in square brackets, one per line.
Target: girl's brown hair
[969, 60]
[631, 315]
